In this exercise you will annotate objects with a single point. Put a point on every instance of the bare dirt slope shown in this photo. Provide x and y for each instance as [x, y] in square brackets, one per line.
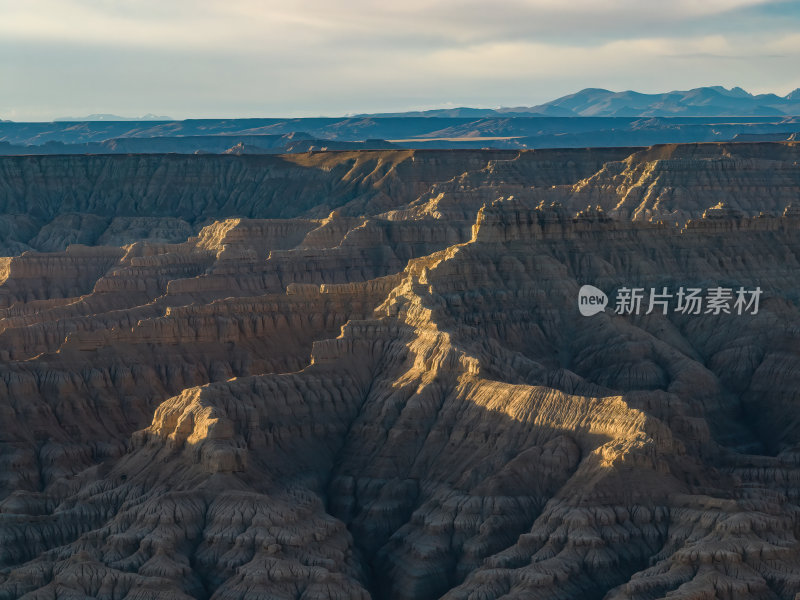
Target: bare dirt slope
[399, 399]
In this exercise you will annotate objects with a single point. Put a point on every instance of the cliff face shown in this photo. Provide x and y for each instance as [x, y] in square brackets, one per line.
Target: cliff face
[49, 202]
[400, 399]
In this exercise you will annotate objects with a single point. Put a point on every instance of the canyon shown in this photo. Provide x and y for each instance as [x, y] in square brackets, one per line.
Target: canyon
[363, 374]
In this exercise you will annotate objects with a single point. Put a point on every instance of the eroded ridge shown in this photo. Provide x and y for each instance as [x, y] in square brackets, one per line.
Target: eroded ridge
[406, 404]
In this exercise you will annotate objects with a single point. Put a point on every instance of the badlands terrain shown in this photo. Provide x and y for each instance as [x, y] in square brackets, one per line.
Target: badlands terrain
[363, 375]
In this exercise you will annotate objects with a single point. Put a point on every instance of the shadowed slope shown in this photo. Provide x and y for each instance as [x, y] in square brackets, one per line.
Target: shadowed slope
[404, 405]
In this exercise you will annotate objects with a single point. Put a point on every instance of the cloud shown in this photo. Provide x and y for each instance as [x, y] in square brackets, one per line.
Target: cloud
[245, 23]
[787, 44]
[309, 57]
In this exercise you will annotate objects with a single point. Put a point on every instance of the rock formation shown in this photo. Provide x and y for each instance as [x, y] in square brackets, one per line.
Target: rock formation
[364, 375]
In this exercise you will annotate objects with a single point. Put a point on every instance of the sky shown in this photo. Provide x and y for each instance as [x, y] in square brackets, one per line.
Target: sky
[296, 58]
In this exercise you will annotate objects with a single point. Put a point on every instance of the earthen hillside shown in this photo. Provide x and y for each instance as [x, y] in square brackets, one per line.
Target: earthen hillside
[365, 375]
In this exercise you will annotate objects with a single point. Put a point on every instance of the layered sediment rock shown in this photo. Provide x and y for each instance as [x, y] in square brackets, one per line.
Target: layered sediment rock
[400, 400]
[49, 202]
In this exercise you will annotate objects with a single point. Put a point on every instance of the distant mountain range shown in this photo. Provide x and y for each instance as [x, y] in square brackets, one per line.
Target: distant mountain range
[714, 101]
[711, 101]
[706, 102]
[589, 118]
